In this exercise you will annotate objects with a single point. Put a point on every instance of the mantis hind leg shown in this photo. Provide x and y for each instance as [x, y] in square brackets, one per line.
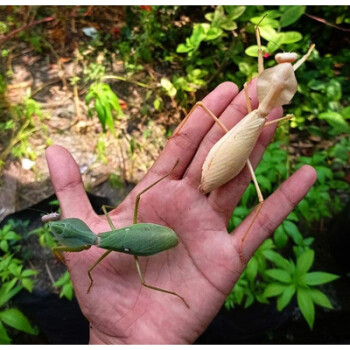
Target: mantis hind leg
[142, 280]
[261, 201]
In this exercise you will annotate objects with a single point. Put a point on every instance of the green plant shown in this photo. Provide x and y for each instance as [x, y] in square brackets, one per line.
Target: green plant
[106, 104]
[10, 316]
[66, 286]
[46, 239]
[14, 277]
[18, 123]
[289, 279]
[268, 268]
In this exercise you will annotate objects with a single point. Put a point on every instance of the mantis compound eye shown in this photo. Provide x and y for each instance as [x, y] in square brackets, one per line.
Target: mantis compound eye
[57, 228]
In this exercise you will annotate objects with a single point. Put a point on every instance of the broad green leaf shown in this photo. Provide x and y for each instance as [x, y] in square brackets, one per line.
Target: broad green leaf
[292, 230]
[320, 298]
[290, 37]
[305, 261]
[292, 217]
[4, 338]
[252, 51]
[234, 11]
[267, 21]
[323, 173]
[183, 48]
[109, 119]
[212, 34]
[228, 24]
[317, 85]
[269, 34]
[334, 90]
[278, 260]
[346, 112]
[168, 87]
[335, 120]
[291, 15]
[280, 237]
[89, 96]
[249, 301]
[4, 246]
[15, 319]
[279, 275]
[198, 34]
[252, 269]
[274, 289]
[27, 284]
[317, 278]
[306, 306]
[101, 113]
[158, 103]
[284, 299]
[8, 291]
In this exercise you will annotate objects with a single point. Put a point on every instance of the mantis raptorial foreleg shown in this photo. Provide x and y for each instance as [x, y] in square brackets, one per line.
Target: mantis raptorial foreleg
[57, 251]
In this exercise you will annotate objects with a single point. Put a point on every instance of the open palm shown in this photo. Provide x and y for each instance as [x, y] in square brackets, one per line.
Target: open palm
[207, 262]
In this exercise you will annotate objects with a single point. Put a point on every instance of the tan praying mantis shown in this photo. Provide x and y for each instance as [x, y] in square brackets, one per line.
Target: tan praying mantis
[276, 86]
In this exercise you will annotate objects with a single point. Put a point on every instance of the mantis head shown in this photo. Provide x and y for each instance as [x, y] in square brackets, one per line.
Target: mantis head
[73, 232]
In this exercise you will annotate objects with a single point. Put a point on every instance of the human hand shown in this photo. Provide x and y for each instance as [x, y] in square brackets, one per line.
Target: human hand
[207, 262]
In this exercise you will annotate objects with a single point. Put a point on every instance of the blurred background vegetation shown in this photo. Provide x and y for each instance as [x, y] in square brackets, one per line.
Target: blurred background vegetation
[112, 83]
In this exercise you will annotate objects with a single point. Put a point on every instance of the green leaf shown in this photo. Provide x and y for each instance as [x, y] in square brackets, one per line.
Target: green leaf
[8, 291]
[335, 120]
[284, 299]
[269, 34]
[4, 338]
[4, 246]
[168, 87]
[333, 90]
[292, 230]
[279, 260]
[234, 11]
[305, 261]
[268, 20]
[253, 50]
[306, 306]
[317, 278]
[280, 237]
[157, 104]
[27, 284]
[320, 298]
[346, 112]
[252, 269]
[15, 319]
[198, 34]
[290, 37]
[101, 113]
[317, 85]
[274, 289]
[279, 275]
[212, 34]
[291, 15]
[183, 48]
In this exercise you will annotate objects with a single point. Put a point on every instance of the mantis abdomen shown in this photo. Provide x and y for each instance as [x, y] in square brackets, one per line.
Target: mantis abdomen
[228, 156]
[139, 239]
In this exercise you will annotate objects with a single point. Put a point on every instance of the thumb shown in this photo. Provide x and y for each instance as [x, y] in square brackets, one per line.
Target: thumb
[68, 184]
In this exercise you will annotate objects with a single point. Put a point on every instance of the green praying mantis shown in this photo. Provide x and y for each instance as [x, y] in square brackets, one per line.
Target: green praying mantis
[139, 239]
